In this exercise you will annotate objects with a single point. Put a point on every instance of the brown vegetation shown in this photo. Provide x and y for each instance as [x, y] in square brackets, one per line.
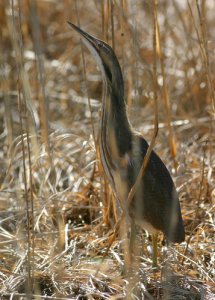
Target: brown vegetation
[57, 213]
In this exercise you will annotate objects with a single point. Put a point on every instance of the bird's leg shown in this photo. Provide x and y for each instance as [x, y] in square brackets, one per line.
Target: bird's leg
[155, 250]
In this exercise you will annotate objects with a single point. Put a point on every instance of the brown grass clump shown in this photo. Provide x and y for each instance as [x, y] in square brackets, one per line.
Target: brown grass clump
[57, 213]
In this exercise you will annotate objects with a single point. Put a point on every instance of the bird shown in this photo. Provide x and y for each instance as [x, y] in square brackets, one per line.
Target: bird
[155, 205]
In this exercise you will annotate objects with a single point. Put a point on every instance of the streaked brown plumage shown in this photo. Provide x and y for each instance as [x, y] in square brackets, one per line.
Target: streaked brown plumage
[155, 205]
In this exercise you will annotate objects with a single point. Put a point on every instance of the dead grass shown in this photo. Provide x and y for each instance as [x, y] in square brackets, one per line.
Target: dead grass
[56, 209]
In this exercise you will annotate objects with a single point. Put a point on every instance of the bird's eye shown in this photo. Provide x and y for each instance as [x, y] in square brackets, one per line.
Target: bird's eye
[100, 45]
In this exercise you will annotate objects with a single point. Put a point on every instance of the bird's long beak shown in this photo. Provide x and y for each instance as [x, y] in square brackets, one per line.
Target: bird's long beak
[94, 46]
[87, 37]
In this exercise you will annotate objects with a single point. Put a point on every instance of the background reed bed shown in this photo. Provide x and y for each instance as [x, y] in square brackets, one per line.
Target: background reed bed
[57, 212]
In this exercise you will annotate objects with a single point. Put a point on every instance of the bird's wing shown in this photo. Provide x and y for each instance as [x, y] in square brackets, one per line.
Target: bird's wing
[156, 172]
[156, 197]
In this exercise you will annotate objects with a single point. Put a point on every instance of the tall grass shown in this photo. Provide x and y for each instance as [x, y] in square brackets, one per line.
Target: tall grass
[58, 219]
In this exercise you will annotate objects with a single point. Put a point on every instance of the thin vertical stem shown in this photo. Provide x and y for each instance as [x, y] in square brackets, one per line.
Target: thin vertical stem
[20, 109]
[18, 42]
[103, 18]
[112, 24]
[31, 205]
[172, 143]
[43, 103]
[155, 132]
[203, 43]
[85, 76]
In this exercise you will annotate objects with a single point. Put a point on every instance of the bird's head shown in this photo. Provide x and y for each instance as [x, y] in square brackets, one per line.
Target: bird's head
[105, 58]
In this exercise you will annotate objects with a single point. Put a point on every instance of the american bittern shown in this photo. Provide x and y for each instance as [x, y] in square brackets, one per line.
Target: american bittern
[155, 205]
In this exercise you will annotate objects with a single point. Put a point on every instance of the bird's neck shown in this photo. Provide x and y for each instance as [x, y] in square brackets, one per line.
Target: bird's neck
[115, 133]
[118, 115]
[118, 132]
